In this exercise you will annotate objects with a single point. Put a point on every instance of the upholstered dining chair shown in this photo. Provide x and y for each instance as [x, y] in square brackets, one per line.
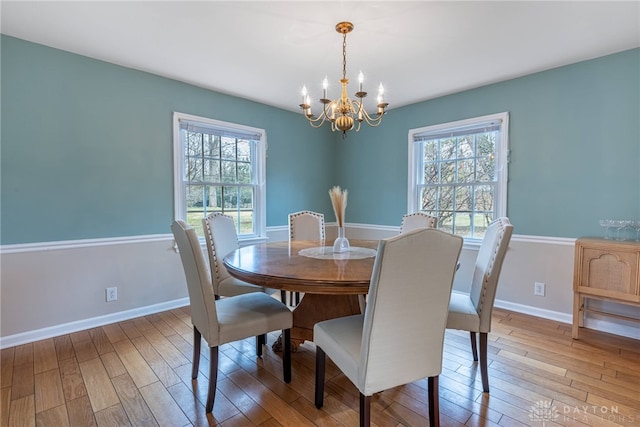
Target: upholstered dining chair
[304, 225]
[472, 312]
[417, 220]
[220, 321]
[397, 340]
[222, 238]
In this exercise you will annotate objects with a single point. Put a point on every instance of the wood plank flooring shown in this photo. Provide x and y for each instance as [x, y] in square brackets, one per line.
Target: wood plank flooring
[138, 373]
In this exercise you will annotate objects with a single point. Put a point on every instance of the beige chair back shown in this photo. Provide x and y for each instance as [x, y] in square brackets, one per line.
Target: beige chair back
[306, 225]
[417, 220]
[406, 315]
[201, 296]
[488, 267]
[222, 238]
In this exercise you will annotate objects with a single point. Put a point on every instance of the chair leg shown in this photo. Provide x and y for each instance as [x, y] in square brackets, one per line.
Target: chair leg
[286, 356]
[283, 297]
[320, 363]
[213, 378]
[474, 346]
[260, 341]
[365, 410]
[297, 298]
[483, 362]
[434, 402]
[197, 336]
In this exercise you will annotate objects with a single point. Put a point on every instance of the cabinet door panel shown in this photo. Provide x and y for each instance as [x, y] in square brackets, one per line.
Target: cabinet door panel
[606, 270]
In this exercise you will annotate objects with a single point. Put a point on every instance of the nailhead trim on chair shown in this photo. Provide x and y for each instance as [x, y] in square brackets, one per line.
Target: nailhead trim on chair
[433, 221]
[213, 248]
[493, 260]
[294, 215]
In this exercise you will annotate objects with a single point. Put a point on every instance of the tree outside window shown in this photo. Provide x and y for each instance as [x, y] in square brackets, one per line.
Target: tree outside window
[220, 171]
[459, 173]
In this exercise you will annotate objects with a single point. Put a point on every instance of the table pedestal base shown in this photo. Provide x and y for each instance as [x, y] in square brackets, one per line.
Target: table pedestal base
[315, 308]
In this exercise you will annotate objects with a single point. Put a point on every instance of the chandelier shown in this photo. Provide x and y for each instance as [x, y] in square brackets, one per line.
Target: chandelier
[343, 113]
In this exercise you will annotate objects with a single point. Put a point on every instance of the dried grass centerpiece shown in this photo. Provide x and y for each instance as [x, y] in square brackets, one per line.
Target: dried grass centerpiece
[339, 203]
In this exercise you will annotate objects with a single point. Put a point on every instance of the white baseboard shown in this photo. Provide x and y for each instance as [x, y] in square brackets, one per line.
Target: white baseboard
[534, 311]
[94, 322]
[603, 325]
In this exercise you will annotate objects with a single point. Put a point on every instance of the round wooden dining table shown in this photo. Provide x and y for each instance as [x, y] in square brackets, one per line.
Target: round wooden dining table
[333, 284]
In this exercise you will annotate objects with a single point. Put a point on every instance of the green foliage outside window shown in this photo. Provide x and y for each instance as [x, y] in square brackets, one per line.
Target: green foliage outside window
[219, 179]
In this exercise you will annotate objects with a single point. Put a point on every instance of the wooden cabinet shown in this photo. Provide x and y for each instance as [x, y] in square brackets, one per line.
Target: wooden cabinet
[607, 270]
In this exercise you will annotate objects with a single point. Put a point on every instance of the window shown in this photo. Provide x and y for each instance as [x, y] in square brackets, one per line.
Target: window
[219, 167]
[458, 173]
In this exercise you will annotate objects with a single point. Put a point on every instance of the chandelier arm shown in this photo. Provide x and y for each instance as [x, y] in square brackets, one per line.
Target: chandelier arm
[371, 121]
[317, 121]
[328, 110]
[316, 125]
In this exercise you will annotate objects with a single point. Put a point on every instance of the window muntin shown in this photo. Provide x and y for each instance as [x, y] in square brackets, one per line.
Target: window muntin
[458, 173]
[219, 167]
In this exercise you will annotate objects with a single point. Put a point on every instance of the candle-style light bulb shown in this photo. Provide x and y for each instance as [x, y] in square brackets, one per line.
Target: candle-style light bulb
[325, 85]
[308, 102]
[360, 80]
[304, 93]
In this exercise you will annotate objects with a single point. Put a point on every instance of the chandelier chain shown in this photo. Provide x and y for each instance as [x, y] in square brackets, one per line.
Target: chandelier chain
[344, 56]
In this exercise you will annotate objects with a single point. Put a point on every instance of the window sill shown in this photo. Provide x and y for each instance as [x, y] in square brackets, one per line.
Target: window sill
[472, 244]
[252, 240]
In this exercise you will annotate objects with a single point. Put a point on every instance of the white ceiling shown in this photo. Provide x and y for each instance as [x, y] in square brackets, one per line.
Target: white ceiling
[265, 51]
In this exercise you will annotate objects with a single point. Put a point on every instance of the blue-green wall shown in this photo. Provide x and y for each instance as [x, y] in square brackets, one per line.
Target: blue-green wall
[86, 148]
[574, 139]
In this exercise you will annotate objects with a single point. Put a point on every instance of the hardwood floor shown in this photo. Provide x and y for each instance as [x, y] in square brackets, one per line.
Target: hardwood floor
[138, 373]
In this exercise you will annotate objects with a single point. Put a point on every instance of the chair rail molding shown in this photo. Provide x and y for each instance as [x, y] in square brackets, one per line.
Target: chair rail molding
[82, 243]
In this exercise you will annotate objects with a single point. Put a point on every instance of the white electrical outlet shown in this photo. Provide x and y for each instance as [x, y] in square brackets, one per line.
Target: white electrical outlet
[538, 289]
[112, 294]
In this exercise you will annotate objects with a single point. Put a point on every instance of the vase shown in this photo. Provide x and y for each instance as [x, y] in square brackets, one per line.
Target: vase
[342, 243]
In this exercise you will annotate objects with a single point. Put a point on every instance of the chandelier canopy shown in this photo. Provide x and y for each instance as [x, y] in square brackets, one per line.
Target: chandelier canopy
[343, 113]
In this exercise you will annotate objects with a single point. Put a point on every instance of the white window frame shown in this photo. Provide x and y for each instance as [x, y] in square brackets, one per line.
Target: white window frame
[179, 191]
[502, 161]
